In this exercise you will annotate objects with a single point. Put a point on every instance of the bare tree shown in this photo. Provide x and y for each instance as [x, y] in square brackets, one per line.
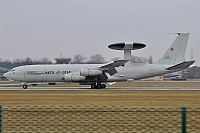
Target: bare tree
[136, 59]
[28, 61]
[79, 59]
[150, 60]
[116, 58]
[45, 60]
[18, 61]
[97, 59]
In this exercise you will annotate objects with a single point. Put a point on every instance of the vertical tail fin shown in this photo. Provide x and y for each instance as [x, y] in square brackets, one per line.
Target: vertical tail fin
[176, 52]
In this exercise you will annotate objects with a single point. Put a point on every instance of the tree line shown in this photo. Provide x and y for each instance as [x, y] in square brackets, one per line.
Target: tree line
[77, 59]
[99, 59]
[19, 62]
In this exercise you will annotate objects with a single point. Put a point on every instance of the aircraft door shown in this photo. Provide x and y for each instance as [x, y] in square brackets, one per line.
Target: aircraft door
[151, 69]
[22, 72]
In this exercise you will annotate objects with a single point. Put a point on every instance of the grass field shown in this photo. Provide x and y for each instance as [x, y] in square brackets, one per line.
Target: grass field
[106, 97]
[100, 98]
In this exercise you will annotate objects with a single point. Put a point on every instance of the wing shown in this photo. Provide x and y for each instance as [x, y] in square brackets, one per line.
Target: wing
[110, 67]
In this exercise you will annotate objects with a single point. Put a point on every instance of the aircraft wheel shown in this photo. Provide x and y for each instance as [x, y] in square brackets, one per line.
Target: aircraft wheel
[93, 86]
[103, 86]
[99, 86]
[25, 86]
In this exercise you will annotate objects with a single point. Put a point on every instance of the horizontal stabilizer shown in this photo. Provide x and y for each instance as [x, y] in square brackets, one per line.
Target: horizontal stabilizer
[180, 66]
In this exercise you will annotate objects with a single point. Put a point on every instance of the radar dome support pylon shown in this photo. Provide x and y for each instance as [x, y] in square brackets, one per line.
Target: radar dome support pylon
[127, 47]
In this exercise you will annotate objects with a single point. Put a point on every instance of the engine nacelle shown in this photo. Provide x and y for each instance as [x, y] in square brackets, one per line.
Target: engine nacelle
[74, 77]
[88, 72]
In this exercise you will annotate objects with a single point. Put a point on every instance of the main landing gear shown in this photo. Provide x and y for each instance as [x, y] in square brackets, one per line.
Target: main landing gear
[98, 86]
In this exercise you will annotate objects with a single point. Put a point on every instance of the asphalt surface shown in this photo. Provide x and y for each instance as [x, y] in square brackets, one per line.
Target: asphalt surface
[108, 88]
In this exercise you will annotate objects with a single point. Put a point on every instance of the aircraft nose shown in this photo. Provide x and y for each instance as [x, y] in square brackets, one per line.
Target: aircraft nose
[6, 75]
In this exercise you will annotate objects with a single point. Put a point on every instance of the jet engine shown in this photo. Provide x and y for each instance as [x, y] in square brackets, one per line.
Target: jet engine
[88, 72]
[74, 77]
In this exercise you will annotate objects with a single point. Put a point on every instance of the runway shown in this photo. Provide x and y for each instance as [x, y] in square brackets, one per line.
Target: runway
[108, 88]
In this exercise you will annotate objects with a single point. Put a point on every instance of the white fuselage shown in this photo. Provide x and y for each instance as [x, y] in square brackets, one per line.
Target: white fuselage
[56, 73]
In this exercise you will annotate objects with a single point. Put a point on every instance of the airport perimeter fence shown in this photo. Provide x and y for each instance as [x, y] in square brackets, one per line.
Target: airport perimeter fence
[22, 119]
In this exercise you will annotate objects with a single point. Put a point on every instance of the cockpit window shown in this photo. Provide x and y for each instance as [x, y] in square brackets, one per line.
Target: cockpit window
[12, 70]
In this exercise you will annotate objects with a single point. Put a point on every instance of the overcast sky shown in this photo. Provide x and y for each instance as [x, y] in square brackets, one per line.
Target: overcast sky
[46, 28]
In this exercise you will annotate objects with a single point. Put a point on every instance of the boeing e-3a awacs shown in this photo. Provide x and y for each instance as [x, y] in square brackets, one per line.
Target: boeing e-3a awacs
[97, 75]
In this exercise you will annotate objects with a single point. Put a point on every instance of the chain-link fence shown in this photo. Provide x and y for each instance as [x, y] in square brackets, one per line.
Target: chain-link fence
[98, 119]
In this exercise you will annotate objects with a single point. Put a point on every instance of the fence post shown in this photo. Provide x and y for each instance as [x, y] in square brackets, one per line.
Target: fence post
[1, 118]
[183, 119]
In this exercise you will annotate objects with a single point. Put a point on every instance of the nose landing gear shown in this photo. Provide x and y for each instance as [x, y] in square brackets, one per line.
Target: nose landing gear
[25, 86]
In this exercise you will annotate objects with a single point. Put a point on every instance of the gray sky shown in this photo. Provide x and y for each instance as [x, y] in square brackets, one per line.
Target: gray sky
[46, 28]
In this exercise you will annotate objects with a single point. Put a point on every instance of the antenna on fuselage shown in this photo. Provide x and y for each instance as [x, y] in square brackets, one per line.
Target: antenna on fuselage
[127, 47]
